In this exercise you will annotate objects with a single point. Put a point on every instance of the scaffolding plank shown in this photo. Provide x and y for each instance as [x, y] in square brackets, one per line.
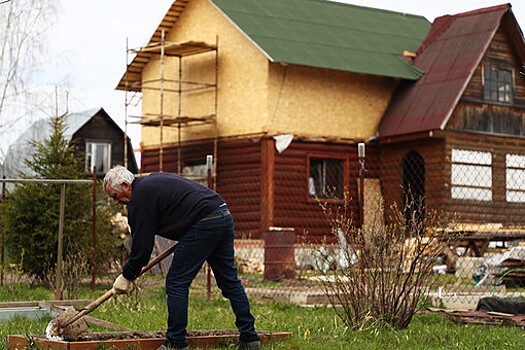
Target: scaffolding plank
[173, 120]
[177, 49]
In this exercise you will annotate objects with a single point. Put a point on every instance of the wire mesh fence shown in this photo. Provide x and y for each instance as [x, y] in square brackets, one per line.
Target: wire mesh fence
[469, 201]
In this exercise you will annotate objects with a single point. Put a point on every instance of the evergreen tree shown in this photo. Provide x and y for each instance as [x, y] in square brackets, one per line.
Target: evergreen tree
[32, 212]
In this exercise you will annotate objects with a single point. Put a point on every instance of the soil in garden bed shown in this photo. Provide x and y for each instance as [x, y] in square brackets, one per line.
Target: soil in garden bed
[147, 340]
[148, 335]
[153, 335]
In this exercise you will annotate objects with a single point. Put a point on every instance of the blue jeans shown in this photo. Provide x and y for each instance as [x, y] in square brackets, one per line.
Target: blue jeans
[210, 241]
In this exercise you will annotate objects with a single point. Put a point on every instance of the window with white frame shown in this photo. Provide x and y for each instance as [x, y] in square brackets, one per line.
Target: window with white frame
[497, 85]
[471, 175]
[326, 178]
[515, 178]
[98, 154]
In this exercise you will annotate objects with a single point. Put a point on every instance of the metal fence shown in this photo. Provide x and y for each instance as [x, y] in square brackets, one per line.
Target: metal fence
[471, 201]
[62, 183]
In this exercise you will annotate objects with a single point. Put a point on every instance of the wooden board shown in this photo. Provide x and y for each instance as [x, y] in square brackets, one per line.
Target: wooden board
[20, 341]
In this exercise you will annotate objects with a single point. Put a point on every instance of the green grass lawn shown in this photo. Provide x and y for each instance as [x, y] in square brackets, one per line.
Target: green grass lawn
[311, 328]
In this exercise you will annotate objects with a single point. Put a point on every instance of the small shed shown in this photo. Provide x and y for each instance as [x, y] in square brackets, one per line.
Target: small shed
[96, 136]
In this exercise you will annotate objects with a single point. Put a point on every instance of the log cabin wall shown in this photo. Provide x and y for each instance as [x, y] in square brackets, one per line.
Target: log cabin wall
[493, 127]
[393, 163]
[191, 152]
[499, 209]
[264, 188]
[293, 206]
[238, 175]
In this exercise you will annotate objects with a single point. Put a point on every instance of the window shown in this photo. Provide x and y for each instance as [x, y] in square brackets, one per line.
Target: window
[471, 175]
[197, 171]
[515, 178]
[325, 178]
[98, 154]
[497, 85]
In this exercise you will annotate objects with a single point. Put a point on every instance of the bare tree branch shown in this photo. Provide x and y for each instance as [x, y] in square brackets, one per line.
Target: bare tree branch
[22, 29]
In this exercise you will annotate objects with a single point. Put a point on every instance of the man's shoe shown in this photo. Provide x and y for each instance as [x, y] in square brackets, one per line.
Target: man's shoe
[251, 345]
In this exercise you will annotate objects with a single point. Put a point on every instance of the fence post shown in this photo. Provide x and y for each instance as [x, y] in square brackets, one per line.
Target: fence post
[3, 236]
[94, 230]
[58, 294]
[361, 157]
[209, 167]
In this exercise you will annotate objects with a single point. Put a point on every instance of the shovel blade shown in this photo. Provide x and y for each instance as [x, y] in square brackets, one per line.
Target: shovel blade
[71, 331]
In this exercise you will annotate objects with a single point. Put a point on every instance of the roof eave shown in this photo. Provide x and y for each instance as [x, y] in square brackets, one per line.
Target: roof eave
[270, 58]
[472, 71]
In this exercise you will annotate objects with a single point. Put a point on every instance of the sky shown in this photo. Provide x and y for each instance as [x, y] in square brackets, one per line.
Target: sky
[89, 38]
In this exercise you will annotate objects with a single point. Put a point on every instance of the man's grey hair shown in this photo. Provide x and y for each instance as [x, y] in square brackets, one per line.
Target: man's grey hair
[116, 175]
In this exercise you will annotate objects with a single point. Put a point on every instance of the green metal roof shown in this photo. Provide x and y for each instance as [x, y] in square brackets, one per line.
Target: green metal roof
[330, 35]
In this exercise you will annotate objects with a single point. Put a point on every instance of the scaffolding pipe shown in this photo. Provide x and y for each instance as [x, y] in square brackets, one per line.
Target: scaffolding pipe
[179, 152]
[209, 167]
[215, 136]
[161, 150]
[126, 111]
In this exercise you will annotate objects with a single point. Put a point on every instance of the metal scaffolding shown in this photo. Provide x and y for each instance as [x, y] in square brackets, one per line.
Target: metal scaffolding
[134, 82]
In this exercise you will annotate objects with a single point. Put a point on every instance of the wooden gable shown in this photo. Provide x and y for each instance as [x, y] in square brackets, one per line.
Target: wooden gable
[474, 113]
[102, 128]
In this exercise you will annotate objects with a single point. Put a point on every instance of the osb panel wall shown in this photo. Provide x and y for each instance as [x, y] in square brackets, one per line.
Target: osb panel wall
[242, 78]
[321, 102]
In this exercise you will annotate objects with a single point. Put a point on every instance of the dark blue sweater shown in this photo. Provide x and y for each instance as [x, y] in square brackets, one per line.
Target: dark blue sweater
[167, 205]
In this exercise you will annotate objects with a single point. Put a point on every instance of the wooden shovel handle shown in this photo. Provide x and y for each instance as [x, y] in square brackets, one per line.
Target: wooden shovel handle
[158, 258]
[92, 306]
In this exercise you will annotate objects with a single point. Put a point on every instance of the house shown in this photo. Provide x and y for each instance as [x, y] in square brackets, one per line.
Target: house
[457, 133]
[280, 93]
[96, 136]
[306, 100]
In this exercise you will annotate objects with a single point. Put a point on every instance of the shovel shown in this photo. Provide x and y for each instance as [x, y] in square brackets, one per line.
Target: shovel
[70, 324]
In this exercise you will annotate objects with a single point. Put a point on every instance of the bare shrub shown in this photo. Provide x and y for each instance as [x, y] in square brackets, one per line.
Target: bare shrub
[380, 272]
[74, 268]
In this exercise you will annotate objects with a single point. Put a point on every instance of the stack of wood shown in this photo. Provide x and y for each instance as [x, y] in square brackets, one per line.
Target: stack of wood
[513, 270]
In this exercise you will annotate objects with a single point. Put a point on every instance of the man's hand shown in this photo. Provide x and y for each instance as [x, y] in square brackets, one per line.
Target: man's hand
[121, 285]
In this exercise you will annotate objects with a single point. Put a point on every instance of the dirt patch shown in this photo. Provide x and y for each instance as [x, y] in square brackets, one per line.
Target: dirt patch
[152, 335]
